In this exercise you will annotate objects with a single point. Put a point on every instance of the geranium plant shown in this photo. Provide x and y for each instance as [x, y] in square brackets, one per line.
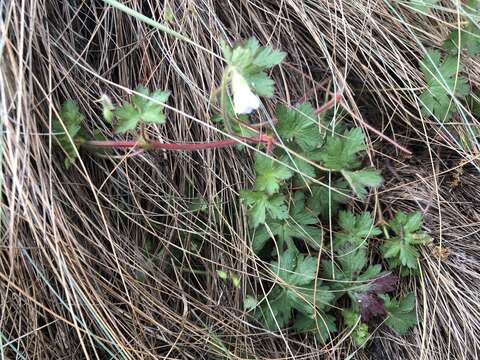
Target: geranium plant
[290, 207]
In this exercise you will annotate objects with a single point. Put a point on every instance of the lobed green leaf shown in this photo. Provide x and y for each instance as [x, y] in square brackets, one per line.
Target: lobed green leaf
[401, 313]
[403, 246]
[67, 130]
[269, 174]
[361, 179]
[299, 124]
[143, 107]
[340, 152]
[443, 84]
[261, 204]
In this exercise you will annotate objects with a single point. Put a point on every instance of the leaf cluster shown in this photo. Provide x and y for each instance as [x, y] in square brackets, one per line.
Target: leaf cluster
[446, 88]
[301, 298]
[401, 249]
[467, 36]
[143, 107]
[284, 221]
[297, 293]
[67, 130]
[444, 85]
[251, 60]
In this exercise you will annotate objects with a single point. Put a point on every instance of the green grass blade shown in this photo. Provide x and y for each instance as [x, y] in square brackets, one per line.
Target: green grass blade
[157, 25]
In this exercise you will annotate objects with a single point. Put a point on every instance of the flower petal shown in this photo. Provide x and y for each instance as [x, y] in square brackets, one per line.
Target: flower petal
[244, 100]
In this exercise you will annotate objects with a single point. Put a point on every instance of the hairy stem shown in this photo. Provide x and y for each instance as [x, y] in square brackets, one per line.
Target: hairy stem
[157, 145]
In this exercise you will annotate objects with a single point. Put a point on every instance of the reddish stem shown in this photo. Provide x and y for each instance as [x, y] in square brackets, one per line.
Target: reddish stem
[336, 98]
[152, 144]
[310, 92]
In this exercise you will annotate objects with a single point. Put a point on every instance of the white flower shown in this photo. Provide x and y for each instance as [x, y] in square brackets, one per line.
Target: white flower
[244, 100]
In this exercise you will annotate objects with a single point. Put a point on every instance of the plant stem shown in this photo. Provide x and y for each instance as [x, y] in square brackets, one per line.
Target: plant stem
[157, 145]
[329, 104]
[224, 99]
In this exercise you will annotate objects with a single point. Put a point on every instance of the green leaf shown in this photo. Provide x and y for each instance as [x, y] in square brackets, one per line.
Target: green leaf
[269, 174]
[443, 82]
[298, 225]
[363, 287]
[260, 203]
[325, 201]
[473, 102]
[406, 223]
[404, 271]
[168, 15]
[430, 63]
[356, 230]
[303, 298]
[235, 280]
[372, 272]
[222, 274]
[340, 151]
[260, 237]
[239, 57]
[350, 244]
[467, 37]
[321, 325]
[251, 60]
[296, 291]
[144, 106]
[352, 263]
[229, 276]
[303, 170]
[152, 112]
[261, 84]
[351, 266]
[71, 118]
[407, 254]
[250, 303]
[299, 124]
[471, 10]
[127, 118]
[286, 264]
[295, 269]
[403, 246]
[267, 57]
[252, 45]
[252, 56]
[275, 312]
[361, 179]
[70, 114]
[302, 167]
[423, 6]
[360, 333]
[401, 313]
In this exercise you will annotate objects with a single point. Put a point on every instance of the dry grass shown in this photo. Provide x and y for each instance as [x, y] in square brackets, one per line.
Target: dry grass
[108, 260]
[450, 282]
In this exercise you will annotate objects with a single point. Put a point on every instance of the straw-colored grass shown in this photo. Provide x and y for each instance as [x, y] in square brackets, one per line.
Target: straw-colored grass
[108, 260]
